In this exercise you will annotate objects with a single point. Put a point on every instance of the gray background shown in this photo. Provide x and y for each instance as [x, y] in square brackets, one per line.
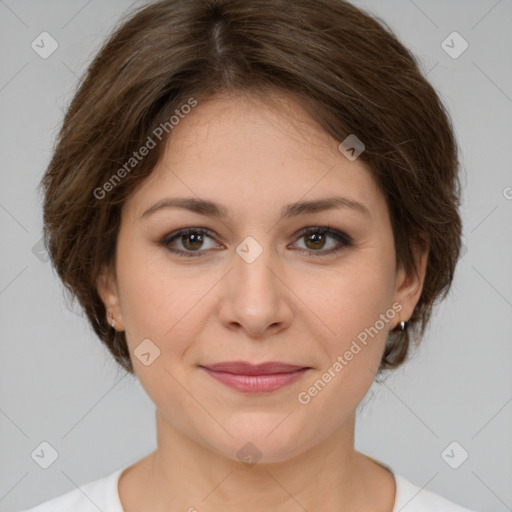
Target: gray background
[59, 385]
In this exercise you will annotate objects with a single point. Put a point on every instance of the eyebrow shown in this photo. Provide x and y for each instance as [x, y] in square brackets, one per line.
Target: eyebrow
[211, 209]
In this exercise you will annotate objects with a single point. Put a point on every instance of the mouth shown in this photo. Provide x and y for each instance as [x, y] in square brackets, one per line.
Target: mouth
[249, 378]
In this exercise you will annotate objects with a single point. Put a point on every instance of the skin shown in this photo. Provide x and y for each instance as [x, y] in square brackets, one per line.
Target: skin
[254, 156]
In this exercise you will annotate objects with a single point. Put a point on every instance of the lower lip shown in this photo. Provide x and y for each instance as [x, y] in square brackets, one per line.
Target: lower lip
[256, 383]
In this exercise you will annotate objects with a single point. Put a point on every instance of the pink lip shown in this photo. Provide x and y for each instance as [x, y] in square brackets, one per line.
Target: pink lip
[250, 378]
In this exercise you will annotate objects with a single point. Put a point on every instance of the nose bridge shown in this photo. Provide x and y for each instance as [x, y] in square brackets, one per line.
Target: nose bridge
[253, 264]
[256, 298]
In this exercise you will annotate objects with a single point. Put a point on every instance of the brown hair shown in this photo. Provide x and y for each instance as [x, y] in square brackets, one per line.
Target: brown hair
[347, 68]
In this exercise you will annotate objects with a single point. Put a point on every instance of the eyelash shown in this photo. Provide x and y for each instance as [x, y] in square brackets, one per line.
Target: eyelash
[342, 238]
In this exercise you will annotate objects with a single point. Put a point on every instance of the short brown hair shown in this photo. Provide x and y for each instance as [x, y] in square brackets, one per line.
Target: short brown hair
[347, 68]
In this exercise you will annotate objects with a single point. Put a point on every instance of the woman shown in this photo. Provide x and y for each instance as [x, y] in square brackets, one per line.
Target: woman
[256, 204]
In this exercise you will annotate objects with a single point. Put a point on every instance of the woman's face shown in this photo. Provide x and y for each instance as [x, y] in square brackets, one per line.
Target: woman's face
[251, 285]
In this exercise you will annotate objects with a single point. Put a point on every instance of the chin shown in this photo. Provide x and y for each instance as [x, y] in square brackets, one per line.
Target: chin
[260, 441]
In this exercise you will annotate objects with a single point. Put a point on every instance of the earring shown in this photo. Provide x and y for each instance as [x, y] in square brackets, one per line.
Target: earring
[402, 326]
[111, 319]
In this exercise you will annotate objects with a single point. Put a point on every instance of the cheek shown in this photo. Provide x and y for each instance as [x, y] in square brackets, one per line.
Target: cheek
[148, 300]
[158, 305]
[351, 298]
[352, 308]
[151, 297]
[164, 303]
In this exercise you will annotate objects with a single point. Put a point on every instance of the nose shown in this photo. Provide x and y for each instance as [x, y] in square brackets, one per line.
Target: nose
[255, 297]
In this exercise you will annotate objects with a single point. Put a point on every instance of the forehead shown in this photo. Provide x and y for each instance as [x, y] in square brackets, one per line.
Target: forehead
[255, 154]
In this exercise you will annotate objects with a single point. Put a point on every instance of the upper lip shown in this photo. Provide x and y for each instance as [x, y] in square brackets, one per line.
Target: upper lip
[243, 368]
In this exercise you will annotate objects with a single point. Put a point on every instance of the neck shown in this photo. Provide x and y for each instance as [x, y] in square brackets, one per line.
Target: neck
[330, 476]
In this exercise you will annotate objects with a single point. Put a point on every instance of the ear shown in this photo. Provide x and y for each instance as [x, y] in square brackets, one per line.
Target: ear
[410, 285]
[106, 285]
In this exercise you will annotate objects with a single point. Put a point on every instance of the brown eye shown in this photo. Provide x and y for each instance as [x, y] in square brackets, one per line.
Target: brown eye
[192, 241]
[316, 241]
[189, 242]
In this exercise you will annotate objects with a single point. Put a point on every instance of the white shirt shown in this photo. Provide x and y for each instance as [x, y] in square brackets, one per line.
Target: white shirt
[102, 494]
